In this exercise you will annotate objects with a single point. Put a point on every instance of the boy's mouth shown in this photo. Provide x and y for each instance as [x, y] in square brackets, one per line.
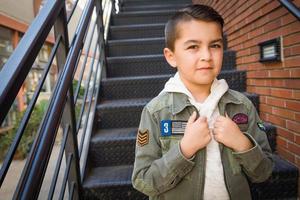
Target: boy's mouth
[204, 68]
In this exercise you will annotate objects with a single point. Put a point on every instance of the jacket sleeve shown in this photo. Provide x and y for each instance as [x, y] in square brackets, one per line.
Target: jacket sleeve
[153, 172]
[257, 162]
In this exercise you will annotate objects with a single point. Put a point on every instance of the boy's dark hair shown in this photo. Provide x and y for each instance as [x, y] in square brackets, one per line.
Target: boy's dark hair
[188, 13]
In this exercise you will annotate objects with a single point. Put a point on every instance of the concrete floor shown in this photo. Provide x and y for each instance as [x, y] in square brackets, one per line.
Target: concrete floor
[14, 173]
[9, 185]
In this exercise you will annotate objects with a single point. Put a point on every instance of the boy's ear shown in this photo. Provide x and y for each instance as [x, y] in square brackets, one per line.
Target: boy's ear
[169, 55]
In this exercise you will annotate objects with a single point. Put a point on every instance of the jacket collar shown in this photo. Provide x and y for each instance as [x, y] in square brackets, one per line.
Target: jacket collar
[180, 101]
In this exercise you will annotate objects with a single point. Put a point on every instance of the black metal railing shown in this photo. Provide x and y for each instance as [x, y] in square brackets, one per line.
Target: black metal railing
[61, 111]
[290, 6]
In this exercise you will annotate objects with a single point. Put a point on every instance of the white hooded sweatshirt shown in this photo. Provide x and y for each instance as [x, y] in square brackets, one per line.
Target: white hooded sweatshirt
[214, 188]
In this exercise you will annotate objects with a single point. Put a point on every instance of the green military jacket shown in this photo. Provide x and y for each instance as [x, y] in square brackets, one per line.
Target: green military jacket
[162, 172]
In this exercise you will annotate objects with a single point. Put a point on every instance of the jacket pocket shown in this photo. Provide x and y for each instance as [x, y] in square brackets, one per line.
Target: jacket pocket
[168, 142]
[233, 163]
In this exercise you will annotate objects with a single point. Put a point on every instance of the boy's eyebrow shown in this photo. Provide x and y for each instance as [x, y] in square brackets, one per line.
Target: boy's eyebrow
[198, 42]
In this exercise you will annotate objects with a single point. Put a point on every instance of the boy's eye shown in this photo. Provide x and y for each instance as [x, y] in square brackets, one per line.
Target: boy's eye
[216, 46]
[193, 47]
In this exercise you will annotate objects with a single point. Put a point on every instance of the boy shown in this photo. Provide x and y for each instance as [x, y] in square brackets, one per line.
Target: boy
[198, 139]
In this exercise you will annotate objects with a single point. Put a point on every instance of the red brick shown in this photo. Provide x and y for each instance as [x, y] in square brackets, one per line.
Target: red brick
[295, 94]
[291, 28]
[263, 90]
[257, 74]
[284, 93]
[245, 52]
[295, 50]
[283, 113]
[284, 153]
[265, 108]
[285, 133]
[256, 32]
[261, 21]
[292, 83]
[293, 105]
[251, 58]
[272, 25]
[277, 83]
[292, 62]
[291, 39]
[251, 89]
[239, 60]
[270, 6]
[287, 52]
[297, 117]
[242, 67]
[263, 99]
[276, 120]
[275, 102]
[292, 125]
[256, 66]
[257, 82]
[296, 2]
[295, 73]
[287, 19]
[254, 50]
[278, 13]
[275, 33]
[279, 73]
[294, 148]
[281, 142]
[273, 66]
[249, 43]
[297, 139]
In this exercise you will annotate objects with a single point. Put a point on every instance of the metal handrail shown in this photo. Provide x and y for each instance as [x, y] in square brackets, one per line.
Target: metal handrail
[61, 109]
[19, 63]
[21, 129]
[290, 6]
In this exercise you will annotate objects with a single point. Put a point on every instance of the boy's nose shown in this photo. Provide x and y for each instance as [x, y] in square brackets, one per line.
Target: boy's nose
[205, 54]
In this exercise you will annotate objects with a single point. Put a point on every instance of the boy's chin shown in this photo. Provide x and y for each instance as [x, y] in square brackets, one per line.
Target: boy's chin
[207, 81]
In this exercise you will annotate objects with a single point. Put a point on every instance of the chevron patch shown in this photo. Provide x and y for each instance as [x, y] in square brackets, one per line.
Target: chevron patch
[143, 137]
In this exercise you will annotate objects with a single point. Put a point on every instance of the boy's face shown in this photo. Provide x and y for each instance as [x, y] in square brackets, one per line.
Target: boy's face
[198, 52]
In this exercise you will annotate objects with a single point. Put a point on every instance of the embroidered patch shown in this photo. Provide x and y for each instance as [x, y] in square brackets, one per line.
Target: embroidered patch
[240, 118]
[261, 126]
[172, 127]
[143, 138]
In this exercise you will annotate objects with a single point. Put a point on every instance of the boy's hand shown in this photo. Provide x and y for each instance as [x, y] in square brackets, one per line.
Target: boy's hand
[196, 135]
[227, 132]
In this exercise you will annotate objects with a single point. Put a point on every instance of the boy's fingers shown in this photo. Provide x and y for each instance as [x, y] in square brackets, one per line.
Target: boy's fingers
[192, 117]
[226, 115]
[202, 119]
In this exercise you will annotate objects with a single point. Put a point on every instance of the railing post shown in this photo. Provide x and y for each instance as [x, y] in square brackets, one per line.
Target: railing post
[101, 41]
[68, 118]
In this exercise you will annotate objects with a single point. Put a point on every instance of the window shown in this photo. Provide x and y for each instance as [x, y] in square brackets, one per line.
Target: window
[36, 72]
[6, 46]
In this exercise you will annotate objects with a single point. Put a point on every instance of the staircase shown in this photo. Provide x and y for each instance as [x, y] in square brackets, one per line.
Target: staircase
[136, 72]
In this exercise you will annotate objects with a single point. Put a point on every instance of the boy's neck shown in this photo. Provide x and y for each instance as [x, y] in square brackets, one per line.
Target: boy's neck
[199, 92]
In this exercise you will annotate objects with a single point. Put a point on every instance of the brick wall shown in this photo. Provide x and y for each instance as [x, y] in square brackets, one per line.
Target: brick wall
[247, 23]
